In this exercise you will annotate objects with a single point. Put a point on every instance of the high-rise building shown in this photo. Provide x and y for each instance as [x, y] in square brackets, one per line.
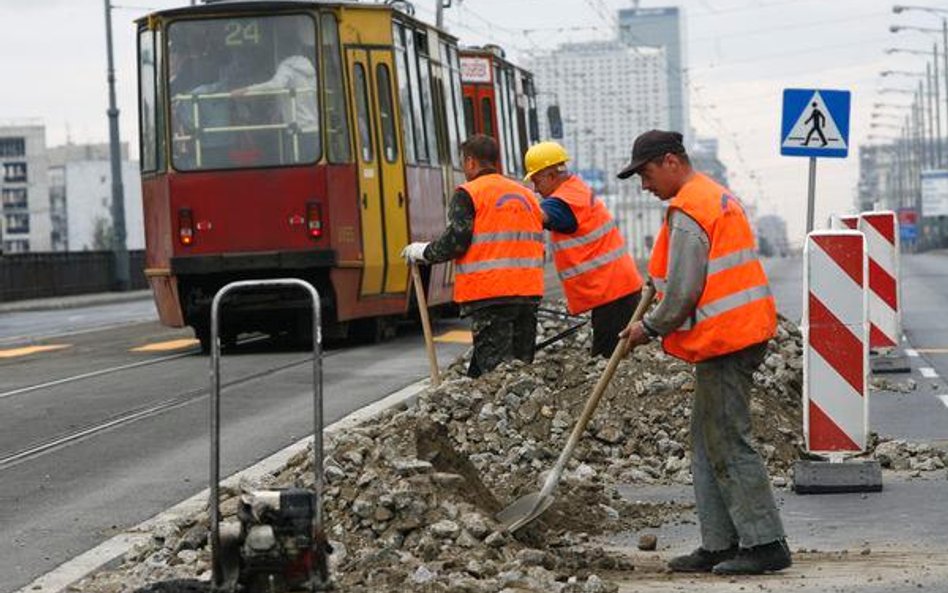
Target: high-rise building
[664, 28]
[772, 236]
[24, 189]
[704, 158]
[608, 93]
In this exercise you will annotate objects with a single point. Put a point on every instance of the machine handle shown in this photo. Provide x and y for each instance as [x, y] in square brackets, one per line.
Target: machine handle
[214, 510]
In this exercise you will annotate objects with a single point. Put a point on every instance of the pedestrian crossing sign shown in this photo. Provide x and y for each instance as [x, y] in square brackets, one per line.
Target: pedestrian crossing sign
[815, 123]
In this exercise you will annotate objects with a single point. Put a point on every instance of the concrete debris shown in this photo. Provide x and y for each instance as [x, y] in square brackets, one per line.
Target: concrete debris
[410, 495]
[905, 456]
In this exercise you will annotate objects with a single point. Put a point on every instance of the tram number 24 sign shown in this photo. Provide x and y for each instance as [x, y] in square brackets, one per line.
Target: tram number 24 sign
[242, 32]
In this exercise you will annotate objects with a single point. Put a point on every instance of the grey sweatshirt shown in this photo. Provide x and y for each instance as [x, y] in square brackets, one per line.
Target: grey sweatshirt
[687, 267]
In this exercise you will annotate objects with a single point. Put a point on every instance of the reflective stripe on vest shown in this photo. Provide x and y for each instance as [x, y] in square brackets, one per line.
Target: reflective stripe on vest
[506, 236]
[495, 264]
[587, 238]
[731, 260]
[593, 263]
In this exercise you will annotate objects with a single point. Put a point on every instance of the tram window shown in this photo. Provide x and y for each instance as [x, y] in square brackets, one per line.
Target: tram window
[244, 92]
[447, 76]
[161, 120]
[460, 111]
[487, 117]
[469, 116]
[533, 125]
[386, 113]
[363, 119]
[500, 103]
[147, 107]
[404, 92]
[427, 105]
[337, 126]
[421, 145]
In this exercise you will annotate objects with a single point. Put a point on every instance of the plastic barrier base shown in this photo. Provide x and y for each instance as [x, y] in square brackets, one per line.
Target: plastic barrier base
[826, 477]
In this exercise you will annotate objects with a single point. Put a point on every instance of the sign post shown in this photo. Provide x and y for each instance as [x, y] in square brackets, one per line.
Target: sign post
[814, 124]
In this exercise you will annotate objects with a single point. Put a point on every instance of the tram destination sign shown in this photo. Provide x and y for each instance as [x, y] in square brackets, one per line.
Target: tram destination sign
[475, 69]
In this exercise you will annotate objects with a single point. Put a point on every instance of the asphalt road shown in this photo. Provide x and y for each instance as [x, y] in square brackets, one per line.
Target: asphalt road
[82, 459]
[20, 326]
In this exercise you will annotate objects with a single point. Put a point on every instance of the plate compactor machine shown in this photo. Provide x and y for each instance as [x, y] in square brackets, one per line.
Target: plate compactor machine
[277, 543]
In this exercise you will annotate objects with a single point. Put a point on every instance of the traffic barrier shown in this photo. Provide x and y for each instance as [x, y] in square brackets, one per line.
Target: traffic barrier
[844, 221]
[835, 341]
[881, 229]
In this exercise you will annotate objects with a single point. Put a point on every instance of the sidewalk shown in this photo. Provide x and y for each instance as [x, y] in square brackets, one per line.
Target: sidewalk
[72, 302]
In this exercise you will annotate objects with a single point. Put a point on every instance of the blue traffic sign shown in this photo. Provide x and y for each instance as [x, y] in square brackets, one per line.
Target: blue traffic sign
[815, 123]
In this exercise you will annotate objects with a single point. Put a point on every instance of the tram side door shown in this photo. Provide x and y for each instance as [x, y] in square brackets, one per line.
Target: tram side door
[394, 202]
[381, 174]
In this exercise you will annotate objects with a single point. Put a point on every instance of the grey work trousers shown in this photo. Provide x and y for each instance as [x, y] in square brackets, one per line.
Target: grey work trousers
[732, 490]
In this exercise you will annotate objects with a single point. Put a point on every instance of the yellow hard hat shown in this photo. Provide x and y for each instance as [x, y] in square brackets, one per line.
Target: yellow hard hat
[542, 155]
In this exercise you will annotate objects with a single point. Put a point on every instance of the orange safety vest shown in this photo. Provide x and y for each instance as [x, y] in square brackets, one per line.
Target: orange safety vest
[736, 309]
[593, 263]
[506, 253]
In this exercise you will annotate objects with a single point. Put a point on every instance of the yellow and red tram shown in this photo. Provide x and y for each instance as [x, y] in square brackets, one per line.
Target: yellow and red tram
[294, 138]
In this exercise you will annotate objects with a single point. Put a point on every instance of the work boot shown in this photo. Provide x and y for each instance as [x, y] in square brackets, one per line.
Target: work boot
[701, 560]
[757, 560]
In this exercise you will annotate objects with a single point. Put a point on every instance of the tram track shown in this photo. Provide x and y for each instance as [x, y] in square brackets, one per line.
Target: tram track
[116, 369]
[141, 413]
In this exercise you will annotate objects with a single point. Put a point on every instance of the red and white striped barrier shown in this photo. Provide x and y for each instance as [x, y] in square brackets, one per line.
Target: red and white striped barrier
[882, 242]
[835, 341]
[849, 221]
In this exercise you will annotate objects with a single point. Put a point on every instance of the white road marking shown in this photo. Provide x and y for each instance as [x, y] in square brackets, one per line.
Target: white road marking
[928, 372]
[944, 399]
[911, 353]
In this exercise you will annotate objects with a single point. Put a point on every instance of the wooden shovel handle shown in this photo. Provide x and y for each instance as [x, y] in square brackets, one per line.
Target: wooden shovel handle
[425, 325]
[620, 351]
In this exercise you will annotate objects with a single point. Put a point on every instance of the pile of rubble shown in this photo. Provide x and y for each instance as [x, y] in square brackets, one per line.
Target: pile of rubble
[410, 495]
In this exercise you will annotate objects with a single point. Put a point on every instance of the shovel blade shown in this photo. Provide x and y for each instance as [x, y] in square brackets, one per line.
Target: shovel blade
[524, 510]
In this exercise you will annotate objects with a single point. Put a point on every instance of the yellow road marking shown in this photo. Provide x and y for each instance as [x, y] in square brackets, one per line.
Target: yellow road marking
[27, 350]
[166, 346]
[456, 336]
[932, 350]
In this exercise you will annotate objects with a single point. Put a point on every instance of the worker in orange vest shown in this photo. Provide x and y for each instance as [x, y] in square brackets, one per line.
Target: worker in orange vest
[716, 311]
[495, 237]
[593, 264]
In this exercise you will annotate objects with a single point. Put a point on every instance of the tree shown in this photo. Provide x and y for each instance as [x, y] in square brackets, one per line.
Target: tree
[102, 234]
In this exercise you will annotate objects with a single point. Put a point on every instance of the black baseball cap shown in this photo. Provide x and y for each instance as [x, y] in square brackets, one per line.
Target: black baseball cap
[649, 146]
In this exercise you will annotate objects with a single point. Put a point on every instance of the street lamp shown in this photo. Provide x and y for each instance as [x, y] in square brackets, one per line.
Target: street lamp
[901, 73]
[119, 247]
[897, 28]
[904, 50]
[901, 7]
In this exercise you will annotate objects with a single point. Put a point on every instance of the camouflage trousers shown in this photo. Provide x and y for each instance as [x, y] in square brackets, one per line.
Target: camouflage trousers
[732, 490]
[502, 332]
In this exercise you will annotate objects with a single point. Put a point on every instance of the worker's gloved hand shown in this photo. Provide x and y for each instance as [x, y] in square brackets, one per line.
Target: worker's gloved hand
[414, 253]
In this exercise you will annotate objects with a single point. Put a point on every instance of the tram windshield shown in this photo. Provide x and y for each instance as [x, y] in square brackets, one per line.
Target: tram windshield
[244, 92]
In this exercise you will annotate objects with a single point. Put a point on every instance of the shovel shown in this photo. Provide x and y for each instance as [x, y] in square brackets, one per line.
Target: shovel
[529, 507]
[425, 325]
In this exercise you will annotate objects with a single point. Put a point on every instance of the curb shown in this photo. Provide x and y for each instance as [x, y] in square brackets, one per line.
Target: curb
[73, 302]
[86, 563]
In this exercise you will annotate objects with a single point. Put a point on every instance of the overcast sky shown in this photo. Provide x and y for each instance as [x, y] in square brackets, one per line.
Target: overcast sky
[741, 54]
